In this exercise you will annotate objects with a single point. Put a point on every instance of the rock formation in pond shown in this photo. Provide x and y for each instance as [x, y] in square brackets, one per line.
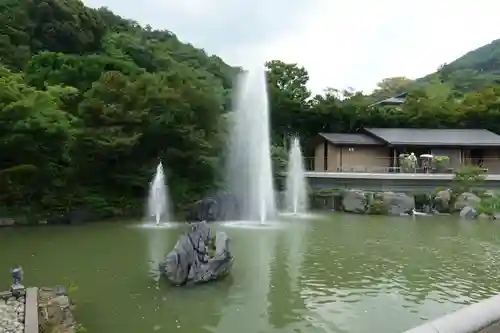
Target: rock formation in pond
[220, 206]
[190, 262]
[386, 203]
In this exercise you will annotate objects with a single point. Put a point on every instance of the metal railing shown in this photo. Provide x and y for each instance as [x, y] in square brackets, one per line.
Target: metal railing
[382, 165]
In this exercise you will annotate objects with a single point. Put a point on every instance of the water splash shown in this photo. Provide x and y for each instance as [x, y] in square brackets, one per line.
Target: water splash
[158, 201]
[296, 199]
[249, 164]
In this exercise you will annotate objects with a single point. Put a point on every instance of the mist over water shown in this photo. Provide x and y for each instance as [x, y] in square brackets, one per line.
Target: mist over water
[249, 170]
[296, 199]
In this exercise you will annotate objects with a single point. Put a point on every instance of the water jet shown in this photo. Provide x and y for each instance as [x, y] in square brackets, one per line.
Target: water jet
[296, 199]
[158, 200]
[249, 171]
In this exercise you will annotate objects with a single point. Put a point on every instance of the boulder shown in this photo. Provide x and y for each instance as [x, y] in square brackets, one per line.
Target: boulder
[365, 202]
[442, 201]
[190, 262]
[467, 199]
[398, 203]
[468, 212]
[355, 201]
[219, 206]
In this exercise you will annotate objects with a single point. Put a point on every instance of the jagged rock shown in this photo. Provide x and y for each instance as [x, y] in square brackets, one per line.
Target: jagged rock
[467, 199]
[468, 212]
[355, 201]
[190, 263]
[220, 206]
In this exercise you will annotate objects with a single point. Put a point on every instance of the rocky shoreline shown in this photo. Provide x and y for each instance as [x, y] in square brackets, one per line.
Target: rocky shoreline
[37, 310]
[12, 310]
[468, 204]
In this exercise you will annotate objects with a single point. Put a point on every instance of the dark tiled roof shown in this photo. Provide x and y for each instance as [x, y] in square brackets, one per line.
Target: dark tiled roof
[436, 137]
[351, 139]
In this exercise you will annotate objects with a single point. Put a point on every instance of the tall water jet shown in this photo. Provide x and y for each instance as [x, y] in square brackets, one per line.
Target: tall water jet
[250, 177]
[296, 199]
[158, 205]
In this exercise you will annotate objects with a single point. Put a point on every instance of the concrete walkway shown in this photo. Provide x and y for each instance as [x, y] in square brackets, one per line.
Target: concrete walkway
[31, 314]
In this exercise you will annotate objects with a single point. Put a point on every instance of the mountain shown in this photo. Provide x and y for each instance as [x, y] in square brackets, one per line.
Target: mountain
[470, 72]
[473, 70]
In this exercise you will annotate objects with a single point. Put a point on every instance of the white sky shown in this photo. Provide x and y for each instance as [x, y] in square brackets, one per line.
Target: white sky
[342, 44]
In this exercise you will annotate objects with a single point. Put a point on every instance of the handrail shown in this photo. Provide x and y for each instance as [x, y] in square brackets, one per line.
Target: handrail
[382, 165]
[470, 319]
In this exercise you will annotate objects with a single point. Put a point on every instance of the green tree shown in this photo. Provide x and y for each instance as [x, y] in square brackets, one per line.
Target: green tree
[392, 86]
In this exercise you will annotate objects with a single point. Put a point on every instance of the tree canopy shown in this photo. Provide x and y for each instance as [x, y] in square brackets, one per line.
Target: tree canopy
[91, 101]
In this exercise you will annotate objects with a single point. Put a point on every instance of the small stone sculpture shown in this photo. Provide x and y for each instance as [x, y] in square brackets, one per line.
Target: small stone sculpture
[190, 262]
[17, 276]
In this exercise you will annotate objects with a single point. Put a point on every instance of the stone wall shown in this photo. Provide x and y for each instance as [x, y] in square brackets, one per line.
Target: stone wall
[12, 312]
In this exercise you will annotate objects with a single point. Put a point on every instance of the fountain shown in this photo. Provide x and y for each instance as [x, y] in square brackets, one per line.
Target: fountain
[296, 200]
[250, 177]
[158, 203]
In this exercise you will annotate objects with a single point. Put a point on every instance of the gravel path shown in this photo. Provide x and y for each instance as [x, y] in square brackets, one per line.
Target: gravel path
[12, 315]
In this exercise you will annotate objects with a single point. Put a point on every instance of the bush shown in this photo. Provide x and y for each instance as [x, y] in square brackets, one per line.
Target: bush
[466, 177]
[440, 163]
[422, 200]
[489, 205]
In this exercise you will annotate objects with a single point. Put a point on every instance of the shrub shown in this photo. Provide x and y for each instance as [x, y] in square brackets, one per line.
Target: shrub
[466, 177]
[440, 163]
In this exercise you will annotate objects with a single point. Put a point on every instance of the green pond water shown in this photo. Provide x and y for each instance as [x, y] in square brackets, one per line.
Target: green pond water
[337, 273]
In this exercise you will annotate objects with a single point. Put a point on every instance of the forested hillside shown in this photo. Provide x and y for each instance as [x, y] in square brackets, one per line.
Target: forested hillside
[89, 102]
[472, 71]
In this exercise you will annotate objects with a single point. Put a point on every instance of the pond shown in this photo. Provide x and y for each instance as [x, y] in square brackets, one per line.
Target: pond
[335, 273]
